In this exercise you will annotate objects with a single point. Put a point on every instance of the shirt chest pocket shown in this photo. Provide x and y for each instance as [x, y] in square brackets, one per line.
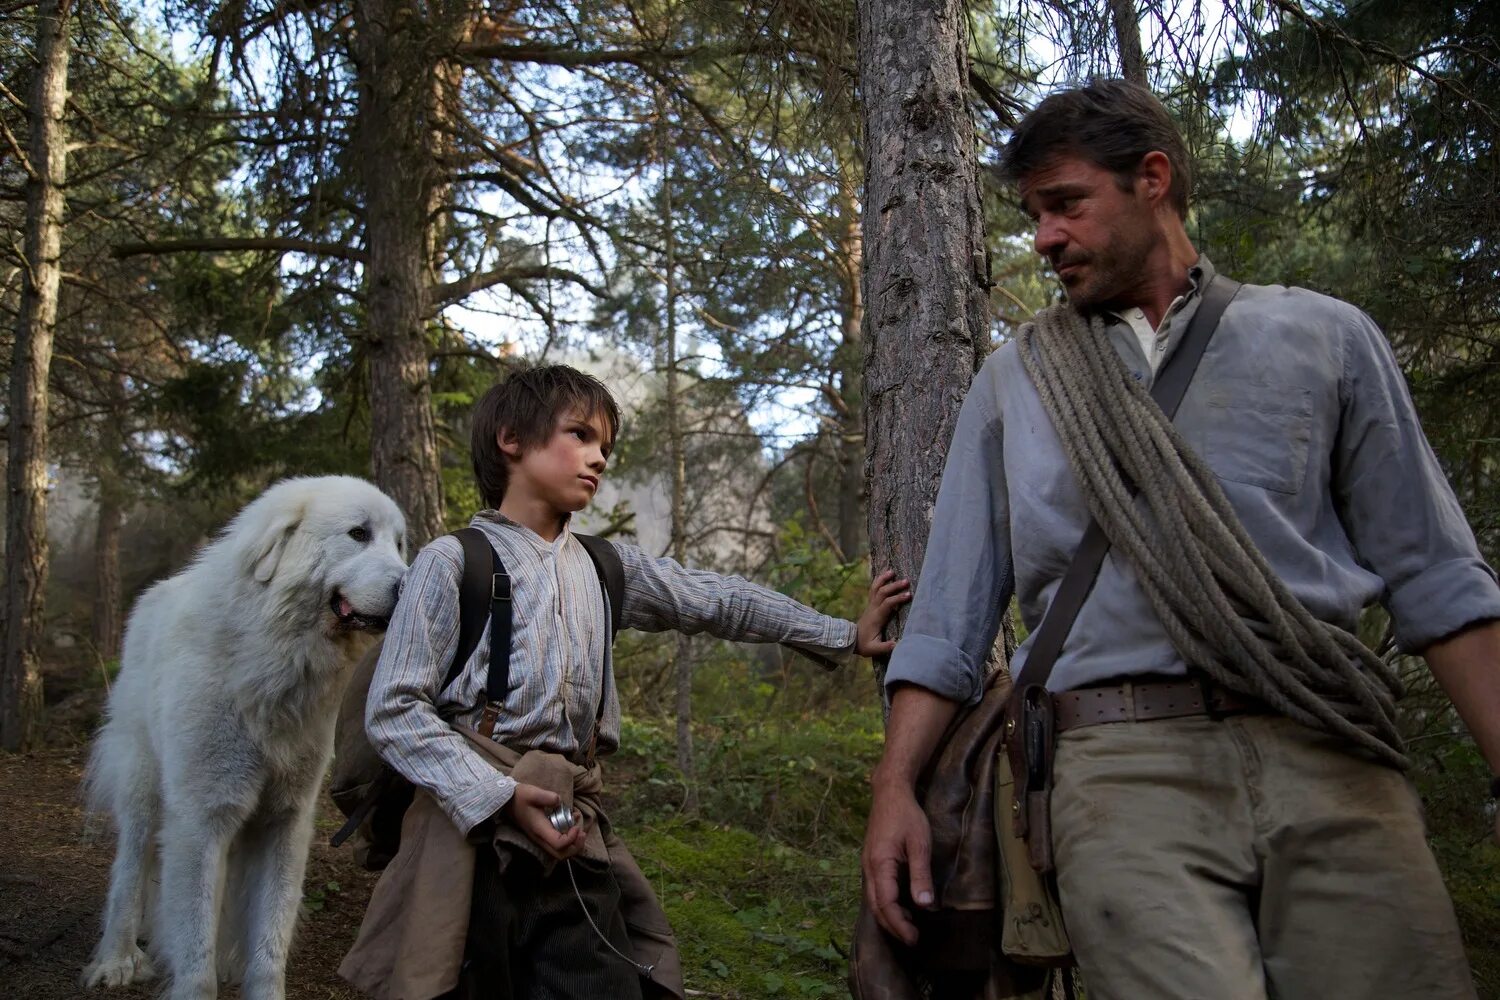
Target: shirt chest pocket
[1256, 432]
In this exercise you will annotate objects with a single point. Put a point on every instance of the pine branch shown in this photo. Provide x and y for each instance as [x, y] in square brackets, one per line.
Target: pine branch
[453, 291]
[212, 244]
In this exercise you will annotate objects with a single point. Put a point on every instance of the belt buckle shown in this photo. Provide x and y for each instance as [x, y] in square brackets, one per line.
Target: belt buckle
[1206, 688]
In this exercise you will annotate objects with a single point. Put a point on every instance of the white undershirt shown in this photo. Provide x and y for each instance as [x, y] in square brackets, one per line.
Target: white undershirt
[1153, 340]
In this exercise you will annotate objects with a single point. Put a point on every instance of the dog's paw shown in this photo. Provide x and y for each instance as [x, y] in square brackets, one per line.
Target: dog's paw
[119, 970]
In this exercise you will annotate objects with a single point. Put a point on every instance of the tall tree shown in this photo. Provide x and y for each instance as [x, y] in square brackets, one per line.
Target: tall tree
[26, 471]
[1128, 40]
[926, 265]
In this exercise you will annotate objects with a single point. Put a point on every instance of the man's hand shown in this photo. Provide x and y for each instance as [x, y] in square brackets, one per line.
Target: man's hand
[528, 809]
[886, 595]
[898, 838]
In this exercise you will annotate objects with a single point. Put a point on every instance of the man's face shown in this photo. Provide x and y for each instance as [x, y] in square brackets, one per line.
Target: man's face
[564, 472]
[1096, 236]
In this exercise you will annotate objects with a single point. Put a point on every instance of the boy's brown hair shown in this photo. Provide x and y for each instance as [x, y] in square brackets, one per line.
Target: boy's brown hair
[530, 402]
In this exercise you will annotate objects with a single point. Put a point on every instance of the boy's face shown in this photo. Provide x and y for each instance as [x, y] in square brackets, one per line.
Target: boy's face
[564, 472]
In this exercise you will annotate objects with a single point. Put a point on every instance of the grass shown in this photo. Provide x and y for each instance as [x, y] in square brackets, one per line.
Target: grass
[762, 885]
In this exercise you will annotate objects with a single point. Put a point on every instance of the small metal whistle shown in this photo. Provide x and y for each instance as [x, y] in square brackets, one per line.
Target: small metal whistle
[561, 818]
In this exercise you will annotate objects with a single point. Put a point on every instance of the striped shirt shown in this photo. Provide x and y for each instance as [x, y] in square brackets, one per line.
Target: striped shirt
[560, 654]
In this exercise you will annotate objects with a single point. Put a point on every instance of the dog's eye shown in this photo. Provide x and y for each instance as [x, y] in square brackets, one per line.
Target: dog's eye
[360, 534]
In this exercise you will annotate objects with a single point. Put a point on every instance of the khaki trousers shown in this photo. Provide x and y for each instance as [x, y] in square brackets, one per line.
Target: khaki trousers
[1244, 859]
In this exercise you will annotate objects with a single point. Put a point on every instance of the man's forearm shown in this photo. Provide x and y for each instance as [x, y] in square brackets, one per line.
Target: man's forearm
[1467, 666]
[918, 720]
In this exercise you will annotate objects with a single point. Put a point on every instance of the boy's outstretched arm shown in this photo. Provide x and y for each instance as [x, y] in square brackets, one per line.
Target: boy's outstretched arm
[661, 594]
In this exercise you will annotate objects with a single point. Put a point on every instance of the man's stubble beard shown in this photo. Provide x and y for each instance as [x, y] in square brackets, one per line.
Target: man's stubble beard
[1113, 271]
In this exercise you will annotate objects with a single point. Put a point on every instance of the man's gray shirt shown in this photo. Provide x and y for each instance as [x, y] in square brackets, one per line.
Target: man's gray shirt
[1299, 408]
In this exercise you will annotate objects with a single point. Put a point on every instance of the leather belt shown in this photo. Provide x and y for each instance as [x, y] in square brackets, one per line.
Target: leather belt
[1143, 701]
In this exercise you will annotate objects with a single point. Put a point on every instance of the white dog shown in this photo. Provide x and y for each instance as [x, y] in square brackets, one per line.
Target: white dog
[220, 727]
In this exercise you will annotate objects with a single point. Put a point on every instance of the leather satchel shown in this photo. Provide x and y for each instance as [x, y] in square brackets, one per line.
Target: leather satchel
[958, 955]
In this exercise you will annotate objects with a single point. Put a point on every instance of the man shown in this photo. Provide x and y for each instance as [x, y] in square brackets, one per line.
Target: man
[1273, 848]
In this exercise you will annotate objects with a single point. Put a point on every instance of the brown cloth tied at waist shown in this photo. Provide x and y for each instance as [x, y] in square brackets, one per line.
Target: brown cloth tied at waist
[411, 943]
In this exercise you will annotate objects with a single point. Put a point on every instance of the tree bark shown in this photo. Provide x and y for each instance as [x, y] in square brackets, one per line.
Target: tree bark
[107, 626]
[396, 167]
[26, 471]
[926, 265]
[1128, 39]
[682, 660]
[850, 360]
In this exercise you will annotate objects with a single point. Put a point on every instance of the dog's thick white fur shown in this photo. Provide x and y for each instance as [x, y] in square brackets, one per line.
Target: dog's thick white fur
[220, 727]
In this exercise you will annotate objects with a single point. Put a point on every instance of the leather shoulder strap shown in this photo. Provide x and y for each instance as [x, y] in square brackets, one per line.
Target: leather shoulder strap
[1079, 578]
[606, 559]
[473, 598]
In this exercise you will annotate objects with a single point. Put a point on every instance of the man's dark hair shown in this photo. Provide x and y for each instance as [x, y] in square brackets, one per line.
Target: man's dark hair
[530, 402]
[1112, 123]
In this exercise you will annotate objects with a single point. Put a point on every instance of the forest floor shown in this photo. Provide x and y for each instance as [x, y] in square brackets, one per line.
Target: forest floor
[53, 876]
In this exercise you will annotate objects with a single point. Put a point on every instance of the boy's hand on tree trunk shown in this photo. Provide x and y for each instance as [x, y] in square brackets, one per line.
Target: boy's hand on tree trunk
[886, 595]
[528, 809]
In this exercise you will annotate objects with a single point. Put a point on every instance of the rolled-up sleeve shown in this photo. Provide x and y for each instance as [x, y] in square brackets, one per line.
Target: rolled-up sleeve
[401, 716]
[967, 577]
[1401, 515]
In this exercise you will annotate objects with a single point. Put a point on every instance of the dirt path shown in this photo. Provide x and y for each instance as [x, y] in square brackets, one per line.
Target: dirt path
[52, 884]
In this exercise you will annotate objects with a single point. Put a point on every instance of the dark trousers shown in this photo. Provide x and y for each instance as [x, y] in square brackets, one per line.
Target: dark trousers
[529, 940]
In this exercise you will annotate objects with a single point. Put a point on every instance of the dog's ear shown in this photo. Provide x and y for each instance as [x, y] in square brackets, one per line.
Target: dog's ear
[265, 554]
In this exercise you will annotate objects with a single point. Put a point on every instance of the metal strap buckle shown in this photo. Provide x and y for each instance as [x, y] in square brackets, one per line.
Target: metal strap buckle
[1212, 706]
[500, 587]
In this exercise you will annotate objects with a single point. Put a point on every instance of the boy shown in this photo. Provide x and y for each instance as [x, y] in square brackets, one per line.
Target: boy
[541, 925]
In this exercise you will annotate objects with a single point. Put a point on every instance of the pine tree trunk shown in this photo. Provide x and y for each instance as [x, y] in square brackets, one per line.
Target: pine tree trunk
[682, 660]
[396, 166]
[850, 361]
[1128, 38]
[926, 266]
[26, 470]
[107, 619]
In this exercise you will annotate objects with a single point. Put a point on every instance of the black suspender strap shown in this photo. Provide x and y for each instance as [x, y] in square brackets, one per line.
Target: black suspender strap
[473, 598]
[501, 619]
[1084, 569]
[606, 560]
[486, 583]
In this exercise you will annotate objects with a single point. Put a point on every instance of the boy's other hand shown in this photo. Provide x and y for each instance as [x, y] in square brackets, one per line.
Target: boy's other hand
[528, 809]
[886, 595]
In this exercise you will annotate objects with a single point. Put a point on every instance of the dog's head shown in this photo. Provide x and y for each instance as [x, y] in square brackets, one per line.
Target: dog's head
[335, 541]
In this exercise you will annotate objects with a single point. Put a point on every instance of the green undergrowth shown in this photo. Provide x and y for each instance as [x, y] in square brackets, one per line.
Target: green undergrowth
[753, 917]
[761, 883]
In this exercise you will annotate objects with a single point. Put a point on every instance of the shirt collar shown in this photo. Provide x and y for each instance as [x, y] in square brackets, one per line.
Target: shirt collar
[1199, 275]
[495, 517]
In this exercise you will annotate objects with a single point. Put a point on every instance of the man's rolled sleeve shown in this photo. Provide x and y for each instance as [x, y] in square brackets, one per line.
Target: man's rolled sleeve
[1441, 600]
[936, 664]
[1396, 505]
[966, 579]
[401, 716]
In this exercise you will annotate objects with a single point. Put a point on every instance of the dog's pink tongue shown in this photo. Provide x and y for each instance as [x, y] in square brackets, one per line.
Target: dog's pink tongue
[345, 608]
